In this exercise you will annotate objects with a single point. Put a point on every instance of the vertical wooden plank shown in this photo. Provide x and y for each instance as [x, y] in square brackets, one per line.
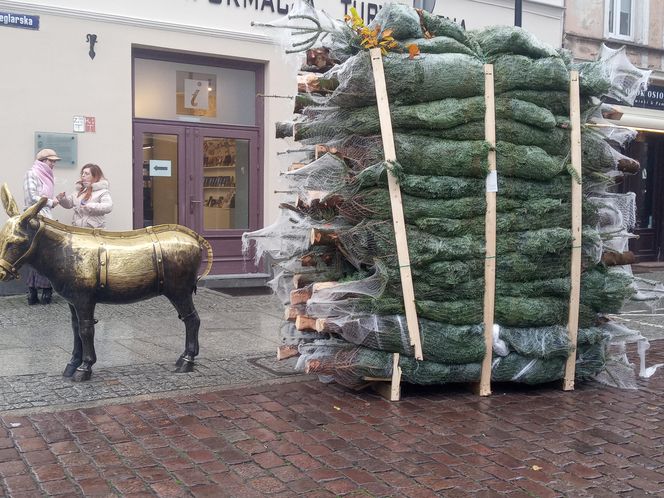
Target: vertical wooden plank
[577, 199]
[490, 231]
[391, 391]
[395, 200]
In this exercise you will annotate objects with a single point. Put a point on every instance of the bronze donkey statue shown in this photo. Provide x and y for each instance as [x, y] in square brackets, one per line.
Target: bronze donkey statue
[90, 266]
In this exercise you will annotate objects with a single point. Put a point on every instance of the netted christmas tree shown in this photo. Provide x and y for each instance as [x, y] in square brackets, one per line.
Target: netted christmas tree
[334, 248]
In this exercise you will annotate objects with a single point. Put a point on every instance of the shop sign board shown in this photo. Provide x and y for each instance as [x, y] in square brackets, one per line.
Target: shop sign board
[652, 98]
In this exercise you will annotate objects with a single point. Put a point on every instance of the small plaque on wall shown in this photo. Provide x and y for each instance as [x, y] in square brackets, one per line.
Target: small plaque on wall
[64, 144]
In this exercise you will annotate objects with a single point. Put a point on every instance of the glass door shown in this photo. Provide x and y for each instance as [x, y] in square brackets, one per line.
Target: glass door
[204, 178]
[228, 187]
[160, 151]
[225, 182]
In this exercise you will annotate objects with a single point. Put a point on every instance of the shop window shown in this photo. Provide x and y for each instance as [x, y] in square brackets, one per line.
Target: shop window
[177, 91]
[620, 19]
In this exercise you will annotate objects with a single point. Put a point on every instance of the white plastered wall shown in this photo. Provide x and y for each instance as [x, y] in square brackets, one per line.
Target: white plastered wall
[50, 78]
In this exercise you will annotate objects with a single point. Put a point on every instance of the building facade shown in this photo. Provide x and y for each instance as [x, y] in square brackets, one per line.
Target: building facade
[639, 26]
[176, 101]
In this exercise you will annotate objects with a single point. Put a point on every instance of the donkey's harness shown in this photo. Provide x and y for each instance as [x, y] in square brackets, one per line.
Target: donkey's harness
[157, 258]
[10, 267]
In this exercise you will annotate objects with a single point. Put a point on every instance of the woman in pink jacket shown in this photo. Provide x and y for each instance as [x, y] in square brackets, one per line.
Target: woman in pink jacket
[92, 202]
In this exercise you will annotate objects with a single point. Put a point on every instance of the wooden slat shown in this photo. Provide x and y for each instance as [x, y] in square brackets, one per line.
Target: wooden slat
[490, 233]
[577, 199]
[395, 199]
[391, 391]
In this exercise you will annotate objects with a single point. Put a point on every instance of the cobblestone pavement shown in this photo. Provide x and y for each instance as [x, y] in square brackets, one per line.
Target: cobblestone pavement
[243, 425]
[136, 347]
[312, 439]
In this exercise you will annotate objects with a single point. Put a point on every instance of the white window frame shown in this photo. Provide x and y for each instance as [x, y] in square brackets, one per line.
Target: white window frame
[615, 34]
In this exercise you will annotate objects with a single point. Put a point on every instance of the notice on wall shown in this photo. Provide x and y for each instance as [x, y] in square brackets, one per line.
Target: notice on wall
[64, 144]
[160, 167]
[79, 124]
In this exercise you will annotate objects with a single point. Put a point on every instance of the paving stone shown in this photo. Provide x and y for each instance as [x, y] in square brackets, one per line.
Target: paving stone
[211, 436]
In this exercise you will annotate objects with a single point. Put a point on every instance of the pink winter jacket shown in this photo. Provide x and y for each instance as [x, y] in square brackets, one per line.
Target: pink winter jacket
[91, 213]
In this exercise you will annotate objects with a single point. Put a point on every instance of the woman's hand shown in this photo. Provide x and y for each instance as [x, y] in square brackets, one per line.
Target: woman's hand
[60, 196]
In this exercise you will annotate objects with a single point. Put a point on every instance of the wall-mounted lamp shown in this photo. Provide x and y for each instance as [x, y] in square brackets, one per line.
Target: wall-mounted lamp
[92, 40]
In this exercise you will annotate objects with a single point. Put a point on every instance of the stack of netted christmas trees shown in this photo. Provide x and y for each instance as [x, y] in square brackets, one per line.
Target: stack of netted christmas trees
[334, 249]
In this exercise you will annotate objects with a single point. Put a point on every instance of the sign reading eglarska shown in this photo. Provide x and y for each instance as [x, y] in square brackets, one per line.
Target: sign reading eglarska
[19, 20]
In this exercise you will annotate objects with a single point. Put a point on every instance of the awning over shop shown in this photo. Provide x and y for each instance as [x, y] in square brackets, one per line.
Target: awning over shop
[638, 118]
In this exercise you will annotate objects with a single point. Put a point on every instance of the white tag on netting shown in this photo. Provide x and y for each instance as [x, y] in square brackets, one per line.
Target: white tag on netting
[492, 181]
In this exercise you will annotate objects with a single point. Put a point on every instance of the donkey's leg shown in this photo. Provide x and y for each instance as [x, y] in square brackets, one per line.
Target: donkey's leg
[77, 352]
[188, 314]
[86, 324]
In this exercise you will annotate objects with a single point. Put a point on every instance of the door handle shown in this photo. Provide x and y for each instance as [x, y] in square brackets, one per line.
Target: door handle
[191, 205]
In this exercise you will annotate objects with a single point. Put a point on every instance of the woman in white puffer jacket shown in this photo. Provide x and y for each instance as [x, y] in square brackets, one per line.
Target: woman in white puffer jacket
[93, 200]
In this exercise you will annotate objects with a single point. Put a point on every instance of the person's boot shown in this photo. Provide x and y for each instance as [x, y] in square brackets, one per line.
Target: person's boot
[46, 296]
[32, 295]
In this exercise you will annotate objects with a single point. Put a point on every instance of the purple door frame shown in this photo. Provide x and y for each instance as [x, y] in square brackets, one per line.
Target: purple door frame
[226, 243]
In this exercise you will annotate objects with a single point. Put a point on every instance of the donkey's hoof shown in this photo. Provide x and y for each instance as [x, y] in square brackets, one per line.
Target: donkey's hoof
[185, 367]
[179, 361]
[81, 375]
[69, 370]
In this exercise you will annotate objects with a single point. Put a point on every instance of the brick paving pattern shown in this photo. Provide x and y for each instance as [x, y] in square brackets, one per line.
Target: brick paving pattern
[39, 390]
[315, 440]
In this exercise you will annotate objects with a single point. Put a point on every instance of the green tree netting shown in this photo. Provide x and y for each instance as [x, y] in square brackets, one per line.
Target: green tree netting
[407, 23]
[496, 40]
[431, 77]
[437, 110]
[431, 215]
[442, 343]
[454, 187]
[510, 267]
[325, 123]
[440, 76]
[369, 240]
[601, 290]
[353, 365]
[554, 141]
[509, 311]
[454, 344]
[517, 220]
[423, 155]
[436, 45]
[555, 101]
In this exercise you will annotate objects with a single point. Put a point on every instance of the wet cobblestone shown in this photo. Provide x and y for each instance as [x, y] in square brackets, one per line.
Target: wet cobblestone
[38, 390]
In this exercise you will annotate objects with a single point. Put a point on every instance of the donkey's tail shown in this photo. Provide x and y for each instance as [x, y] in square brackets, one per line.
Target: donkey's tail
[205, 244]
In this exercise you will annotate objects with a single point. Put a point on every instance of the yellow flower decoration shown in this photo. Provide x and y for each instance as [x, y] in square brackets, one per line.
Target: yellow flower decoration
[370, 38]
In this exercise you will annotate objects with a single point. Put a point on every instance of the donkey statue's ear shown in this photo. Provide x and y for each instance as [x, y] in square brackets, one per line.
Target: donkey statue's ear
[8, 201]
[32, 211]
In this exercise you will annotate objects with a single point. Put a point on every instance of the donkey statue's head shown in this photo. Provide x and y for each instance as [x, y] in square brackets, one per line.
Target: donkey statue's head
[18, 234]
